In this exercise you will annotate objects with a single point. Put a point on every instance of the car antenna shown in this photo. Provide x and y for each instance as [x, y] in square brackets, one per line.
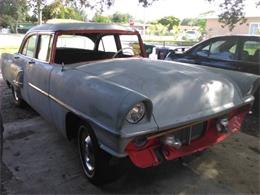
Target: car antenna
[62, 66]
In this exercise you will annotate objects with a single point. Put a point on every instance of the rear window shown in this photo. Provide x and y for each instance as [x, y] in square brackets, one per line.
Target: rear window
[75, 41]
[45, 42]
[251, 51]
[30, 46]
[107, 44]
[130, 45]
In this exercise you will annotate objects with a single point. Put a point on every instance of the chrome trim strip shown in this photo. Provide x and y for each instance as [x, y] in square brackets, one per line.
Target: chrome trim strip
[38, 89]
[80, 114]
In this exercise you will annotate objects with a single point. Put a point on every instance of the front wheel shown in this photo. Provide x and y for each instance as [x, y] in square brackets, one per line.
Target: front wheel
[95, 162]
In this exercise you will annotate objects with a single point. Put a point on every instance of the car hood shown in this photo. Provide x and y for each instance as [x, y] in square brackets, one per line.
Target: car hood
[179, 92]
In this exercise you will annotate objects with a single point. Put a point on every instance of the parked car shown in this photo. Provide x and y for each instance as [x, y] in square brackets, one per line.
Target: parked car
[190, 35]
[93, 85]
[5, 30]
[234, 52]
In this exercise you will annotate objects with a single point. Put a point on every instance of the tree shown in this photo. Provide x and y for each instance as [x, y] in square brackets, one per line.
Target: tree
[120, 17]
[99, 5]
[58, 10]
[232, 12]
[201, 23]
[101, 19]
[12, 12]
[157, 29]
[36, 6]
[169, 22]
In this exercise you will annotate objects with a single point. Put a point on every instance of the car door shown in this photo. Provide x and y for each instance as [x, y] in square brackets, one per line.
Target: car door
[220, 53]
[249, 55]
[38, 71]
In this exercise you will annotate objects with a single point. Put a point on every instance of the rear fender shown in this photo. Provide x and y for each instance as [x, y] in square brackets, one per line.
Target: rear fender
[12, 72]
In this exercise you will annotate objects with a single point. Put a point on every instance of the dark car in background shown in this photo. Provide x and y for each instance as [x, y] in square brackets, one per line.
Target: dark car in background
[234, 52]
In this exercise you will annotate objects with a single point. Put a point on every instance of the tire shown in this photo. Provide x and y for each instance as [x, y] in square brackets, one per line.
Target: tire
[18, 101]
[94, 161]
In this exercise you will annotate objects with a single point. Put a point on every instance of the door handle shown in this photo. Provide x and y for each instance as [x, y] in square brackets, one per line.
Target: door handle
[16, 57]
[31, 62]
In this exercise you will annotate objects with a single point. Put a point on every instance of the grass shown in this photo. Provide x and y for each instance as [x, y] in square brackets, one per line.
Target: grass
[8, 50]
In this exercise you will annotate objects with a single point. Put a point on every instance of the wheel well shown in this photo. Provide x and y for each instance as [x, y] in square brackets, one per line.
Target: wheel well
[8, 84]
[72, 123]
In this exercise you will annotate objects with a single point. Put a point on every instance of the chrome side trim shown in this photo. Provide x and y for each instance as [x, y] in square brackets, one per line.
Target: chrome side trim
[38, 89]
[78, 113]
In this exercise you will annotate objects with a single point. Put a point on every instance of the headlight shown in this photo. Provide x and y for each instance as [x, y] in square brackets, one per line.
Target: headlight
[136, 113]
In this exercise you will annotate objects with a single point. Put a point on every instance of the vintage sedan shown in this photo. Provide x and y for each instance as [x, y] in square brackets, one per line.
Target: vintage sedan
[93, 82]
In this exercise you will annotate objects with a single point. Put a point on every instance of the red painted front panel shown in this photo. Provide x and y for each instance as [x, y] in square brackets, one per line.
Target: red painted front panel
[146, 157]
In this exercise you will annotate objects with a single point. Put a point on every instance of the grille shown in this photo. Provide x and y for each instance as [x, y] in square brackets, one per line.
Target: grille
[186, 135]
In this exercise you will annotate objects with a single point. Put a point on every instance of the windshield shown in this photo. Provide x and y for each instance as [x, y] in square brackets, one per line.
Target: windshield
[75, 48]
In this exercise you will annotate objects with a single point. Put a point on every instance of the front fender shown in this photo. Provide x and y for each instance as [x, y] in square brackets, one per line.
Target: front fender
[128, 102]
[99, 101]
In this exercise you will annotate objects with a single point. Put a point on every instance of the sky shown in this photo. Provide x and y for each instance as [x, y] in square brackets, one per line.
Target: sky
[178, 8]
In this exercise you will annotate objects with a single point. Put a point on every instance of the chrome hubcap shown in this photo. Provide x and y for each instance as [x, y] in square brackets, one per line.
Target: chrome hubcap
[88, 154]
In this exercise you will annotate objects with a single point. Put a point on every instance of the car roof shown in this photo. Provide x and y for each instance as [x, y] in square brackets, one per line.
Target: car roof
[79, 26]
[235, 36]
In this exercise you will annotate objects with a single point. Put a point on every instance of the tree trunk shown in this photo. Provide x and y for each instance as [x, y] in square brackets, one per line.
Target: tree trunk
[16, 27]
[39, 10]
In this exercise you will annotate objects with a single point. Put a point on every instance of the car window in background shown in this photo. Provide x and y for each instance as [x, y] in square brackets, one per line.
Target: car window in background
[204, 52]
[107, 44]
[251, 51]
[30, 46]
[222, 49]
[75, 41]
[44, 47]
[130, 45]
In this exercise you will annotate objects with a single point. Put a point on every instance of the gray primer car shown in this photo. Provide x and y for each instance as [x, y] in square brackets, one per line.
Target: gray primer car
[117, 102]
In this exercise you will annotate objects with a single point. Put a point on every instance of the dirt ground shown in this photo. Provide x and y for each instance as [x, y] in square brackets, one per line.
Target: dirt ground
[37, 159]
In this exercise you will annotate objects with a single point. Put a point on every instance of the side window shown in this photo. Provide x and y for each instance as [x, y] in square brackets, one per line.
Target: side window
[30, 46]
[107, 44]
[204, 52]
[251, 51]
[222, 49]
[75, 41]
[45, 42]
[130, 45]
[215, 47]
